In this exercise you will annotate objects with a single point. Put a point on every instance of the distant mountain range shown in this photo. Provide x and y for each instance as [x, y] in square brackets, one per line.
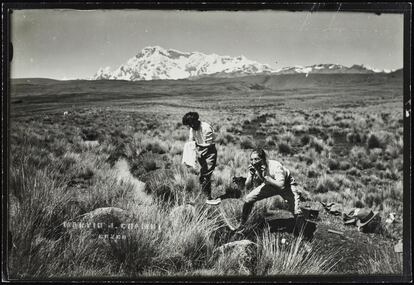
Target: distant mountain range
[155, 62]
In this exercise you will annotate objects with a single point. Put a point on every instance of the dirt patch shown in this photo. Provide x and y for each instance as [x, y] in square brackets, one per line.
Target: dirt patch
[123, 174]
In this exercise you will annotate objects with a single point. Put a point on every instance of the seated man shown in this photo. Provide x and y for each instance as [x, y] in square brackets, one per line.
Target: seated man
[268, 178]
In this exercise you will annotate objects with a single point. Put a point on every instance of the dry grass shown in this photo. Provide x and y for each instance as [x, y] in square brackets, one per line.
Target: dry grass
[55, 176]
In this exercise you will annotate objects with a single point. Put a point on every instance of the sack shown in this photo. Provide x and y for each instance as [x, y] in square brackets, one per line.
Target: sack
[189, 154]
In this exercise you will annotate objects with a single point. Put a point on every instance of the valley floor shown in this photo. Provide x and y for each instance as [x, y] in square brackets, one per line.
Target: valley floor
[71, 154]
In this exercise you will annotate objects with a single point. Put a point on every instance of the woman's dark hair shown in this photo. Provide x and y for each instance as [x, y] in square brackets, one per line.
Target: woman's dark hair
[261, 153]
[190, 117]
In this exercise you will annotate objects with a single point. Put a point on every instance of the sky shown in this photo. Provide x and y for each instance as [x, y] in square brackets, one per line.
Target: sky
[70, 44]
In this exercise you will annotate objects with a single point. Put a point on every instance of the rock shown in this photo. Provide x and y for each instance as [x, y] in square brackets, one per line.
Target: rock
[399, 247]
[91, 144]
[105, 220]
[238, 245]
[390, 219]
[235, 257]
[284, 221]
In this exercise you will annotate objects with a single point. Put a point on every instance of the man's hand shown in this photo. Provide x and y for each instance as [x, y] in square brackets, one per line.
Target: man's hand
[261, 170]
[252, 169]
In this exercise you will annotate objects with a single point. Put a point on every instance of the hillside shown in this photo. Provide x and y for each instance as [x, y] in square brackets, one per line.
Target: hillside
[245, 83]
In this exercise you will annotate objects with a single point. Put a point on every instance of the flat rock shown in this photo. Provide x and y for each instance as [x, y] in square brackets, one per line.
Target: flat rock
[242, 252]
[399, 247]
[238, 245]
[107, 215]
[278, 215]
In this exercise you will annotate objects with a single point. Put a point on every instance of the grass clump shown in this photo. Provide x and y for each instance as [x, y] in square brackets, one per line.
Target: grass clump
[380, 139]
[296, 258]
[284, 148]
[247, 143]
[326, 183]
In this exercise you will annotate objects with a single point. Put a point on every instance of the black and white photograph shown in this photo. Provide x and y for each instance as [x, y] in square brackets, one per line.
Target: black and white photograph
[210, 143]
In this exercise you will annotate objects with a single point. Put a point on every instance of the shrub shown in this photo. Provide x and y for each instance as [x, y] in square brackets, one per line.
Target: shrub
[325, 184]
[358, 204]
[355, 137]
[89, 134]
[270, 141]
[160, 184]
[284, 148]
[145, 162]
[156, 147]
[247, 143]
[300, 129]
[360, 158]
[318, 145]
[379, 139]
[333, 164]
[305, 139]
[380, 165]
[225, 138]
[312, 172]
[344, 165]
[181, 135]
[287, 137]
[373, 199]
[392, 151]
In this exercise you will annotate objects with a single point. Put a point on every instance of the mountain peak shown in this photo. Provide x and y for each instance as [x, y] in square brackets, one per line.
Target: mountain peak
[155, 62]
[329, 68]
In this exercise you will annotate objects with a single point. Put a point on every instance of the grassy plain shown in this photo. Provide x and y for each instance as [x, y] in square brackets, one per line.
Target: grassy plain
[340, 135]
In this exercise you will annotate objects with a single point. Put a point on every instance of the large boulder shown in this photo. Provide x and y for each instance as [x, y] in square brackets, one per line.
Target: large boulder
[284, 221]
[235, 258]
[106, 220]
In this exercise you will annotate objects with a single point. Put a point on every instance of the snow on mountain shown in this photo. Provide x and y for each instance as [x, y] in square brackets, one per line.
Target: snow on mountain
[330, 68]
[159, 63]
[155, 62]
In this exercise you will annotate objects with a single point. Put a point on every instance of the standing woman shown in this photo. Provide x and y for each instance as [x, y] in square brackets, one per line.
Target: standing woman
[203, 135]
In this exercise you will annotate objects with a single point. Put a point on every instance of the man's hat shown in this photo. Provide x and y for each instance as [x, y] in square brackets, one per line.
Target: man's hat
[364, 217]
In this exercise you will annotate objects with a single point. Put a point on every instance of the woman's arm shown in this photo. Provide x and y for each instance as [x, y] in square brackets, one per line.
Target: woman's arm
[191, 136]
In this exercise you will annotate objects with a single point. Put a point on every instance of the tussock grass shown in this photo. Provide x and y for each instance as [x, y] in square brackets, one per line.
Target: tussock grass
[382, 261]
[296, 258]
[380, 139]
[55, 177]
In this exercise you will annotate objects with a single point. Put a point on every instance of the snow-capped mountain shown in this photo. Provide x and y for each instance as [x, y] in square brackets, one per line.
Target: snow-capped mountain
[330, 68]
[158, 63]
